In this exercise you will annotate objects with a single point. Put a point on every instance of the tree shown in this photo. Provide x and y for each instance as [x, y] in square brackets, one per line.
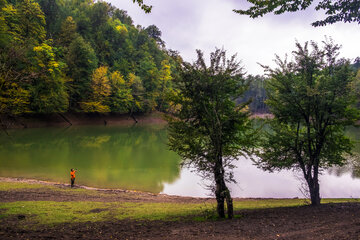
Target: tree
[207, 129]
[146, 8]
[357, 88]
[67, 32]
[121, 98]
[13, 98]
[101, 89]
[31, 21]
[23, 22]
[48, 86]
[256, 93]
[164, 78]
[155, 33]
[52, 13]
[82, 61]
[137, 91]
[337, 10]
[312, 102]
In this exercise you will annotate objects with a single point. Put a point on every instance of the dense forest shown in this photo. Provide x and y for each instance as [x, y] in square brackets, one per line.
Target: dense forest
[87, 56]
[80, 55]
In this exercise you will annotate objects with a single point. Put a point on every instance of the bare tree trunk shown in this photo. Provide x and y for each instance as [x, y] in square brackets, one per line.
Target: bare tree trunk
[222, 193]
[219, 193]
[229, 203]
[315, 194]
[314, 188]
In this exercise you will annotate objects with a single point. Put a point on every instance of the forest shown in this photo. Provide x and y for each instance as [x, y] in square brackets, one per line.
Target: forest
[78, 55]
[85, 56]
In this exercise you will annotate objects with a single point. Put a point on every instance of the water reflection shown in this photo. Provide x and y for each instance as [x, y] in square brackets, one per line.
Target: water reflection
[255, 183]
[111, 157]
[336, 182]
[137, 158]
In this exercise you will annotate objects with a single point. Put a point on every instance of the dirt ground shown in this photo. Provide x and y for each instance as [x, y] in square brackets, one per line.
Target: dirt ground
[329, 221]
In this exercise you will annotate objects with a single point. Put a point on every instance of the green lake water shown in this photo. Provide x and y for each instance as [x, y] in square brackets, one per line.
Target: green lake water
[108, 157]
[137, 158]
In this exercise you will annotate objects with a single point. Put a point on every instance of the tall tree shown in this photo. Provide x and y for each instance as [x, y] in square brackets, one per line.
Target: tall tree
[67, 32]
[82, 61]
[312, 102]
[101, 89]
[165, 87]
[336, 10]
[48, 91]
[155, 33]
[137, 91]
[121, 98]
[208, 130]
[31, 21]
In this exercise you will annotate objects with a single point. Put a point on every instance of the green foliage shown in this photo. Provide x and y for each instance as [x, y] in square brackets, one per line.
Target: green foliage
[312, 102]
[137, 90]
[207, 129]
[121, 99]
[101, 89]
[79, 36]
[31, 21]
[67, 32]
[48, 89]
[205, 113]
[13, 98]
[256, 94]
[336, 11]
[82, 61]
[146, 8]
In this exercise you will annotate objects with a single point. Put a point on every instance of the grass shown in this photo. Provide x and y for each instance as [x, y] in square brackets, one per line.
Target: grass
[39, 213]
[7, 186]
[13, 186]
[51, 213]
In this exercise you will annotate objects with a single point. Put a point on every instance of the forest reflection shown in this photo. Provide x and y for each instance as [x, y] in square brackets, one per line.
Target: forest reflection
[110, 157]
[114, 157]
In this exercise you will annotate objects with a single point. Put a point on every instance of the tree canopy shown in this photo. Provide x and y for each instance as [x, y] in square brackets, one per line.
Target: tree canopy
[53, 52]
[312, 100]
[146, 8]
[207, 129]
[336, 10]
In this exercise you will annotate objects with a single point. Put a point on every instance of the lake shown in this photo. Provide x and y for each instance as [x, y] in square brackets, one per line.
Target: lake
[137, 158]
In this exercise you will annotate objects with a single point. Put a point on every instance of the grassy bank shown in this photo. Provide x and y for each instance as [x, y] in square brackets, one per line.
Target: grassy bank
[35, 213]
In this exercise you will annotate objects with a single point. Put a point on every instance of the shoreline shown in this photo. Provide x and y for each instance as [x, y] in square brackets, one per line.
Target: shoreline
[45, 210]
[78, 119]
[82, 119]
[118, 190]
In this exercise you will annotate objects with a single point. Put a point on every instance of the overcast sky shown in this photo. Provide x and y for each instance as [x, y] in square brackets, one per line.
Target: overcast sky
[187, 25]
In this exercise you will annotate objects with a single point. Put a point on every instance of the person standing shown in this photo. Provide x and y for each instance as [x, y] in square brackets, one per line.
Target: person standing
[72, 175]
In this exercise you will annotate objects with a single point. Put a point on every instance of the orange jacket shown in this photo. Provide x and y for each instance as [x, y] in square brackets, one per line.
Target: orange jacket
[72, 174]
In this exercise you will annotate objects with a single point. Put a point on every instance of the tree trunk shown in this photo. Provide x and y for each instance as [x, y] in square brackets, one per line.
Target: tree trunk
[314, 189]
[222, 193]
[219, 194]
[229, 203]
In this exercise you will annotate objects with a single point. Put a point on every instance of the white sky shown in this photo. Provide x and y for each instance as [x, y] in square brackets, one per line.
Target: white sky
[188, 25]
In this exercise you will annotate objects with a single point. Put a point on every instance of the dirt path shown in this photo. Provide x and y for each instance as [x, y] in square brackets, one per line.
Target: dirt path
[105, 195]
[329, 221]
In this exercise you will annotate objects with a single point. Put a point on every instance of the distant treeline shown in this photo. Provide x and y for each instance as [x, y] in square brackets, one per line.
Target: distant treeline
[257, 93]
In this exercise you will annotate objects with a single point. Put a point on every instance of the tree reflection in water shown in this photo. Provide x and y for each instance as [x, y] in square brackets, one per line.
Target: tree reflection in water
[109, 157]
